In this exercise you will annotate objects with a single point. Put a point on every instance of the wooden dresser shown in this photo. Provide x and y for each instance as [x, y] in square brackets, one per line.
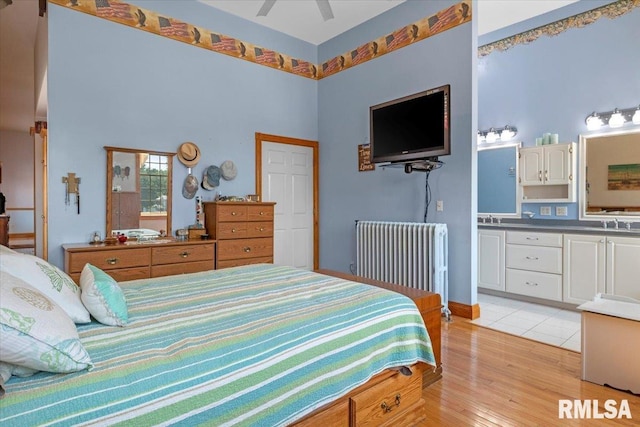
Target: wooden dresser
[140, 261]
[4, 230]
[243, 231]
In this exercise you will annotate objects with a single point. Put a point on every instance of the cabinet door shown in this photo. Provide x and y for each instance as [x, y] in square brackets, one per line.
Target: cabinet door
[557, 164]
[583, 267]
[531, 162]
[623, 266]
[491, 259]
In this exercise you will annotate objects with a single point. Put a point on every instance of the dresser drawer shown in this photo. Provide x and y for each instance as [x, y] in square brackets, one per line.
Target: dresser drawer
[381, 403]
[182, 253]
[260, 213]
[110, 259]
[536, 258]
[244, 261]
[231, 213]
[232, 230]
[260, 229]
[181, 268]
[534, 284]
[121, 274]
[534, 239]
[245, 248]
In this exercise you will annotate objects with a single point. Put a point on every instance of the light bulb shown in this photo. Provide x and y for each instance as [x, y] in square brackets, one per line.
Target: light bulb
[480, 137]
[617, 119]
[507, 133]
[636, 117]
[492, 136]
[594, 122]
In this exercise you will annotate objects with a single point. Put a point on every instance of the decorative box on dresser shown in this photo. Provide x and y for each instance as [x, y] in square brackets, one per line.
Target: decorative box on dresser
[140, 261]
[243, 230]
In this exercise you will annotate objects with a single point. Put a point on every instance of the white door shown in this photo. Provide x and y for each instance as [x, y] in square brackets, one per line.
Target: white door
[557, 164]
[531, 166]
[623, 266]
[287, 179]
[584, 267]
[491, 259]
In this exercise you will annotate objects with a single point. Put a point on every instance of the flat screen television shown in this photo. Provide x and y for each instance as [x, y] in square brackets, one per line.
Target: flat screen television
[411, 128]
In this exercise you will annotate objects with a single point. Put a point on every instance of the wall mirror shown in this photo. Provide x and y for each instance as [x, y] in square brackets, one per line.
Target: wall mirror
[498, 189]
[139, 192]
[610, 175]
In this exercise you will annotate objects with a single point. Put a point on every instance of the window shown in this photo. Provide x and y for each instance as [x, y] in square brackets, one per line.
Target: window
[153, 183]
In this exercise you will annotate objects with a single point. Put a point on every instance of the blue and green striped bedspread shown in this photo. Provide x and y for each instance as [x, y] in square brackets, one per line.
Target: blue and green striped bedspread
[258, 345]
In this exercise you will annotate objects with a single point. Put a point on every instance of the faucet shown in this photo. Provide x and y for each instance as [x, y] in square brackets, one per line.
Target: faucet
[604, 224]
[627, 225]
[615, 223]
[490, 219]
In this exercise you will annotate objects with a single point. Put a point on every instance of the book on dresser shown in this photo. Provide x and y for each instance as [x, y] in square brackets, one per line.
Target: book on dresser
[243, 231]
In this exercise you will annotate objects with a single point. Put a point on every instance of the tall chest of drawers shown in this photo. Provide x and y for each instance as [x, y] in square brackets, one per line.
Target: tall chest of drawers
[243, 231]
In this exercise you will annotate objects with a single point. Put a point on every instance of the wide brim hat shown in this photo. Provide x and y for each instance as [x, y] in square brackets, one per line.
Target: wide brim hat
[189, 154]
[211, 178]
[190, 187]
[229, 170]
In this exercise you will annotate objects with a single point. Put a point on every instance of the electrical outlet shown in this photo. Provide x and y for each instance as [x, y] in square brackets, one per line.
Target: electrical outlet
[561, 211]
[545, 210]
[439, 205]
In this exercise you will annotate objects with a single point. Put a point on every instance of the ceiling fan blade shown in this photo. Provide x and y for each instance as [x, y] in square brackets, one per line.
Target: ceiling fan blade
[266, 7]
[325, 9]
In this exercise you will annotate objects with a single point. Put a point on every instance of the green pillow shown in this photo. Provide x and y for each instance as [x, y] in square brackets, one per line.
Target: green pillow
[102, 296]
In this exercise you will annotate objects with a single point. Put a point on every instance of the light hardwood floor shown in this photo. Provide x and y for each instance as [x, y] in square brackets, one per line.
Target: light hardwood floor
[494, 379]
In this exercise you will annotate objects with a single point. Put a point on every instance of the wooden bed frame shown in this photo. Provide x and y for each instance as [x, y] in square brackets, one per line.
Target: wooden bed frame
[391, 398]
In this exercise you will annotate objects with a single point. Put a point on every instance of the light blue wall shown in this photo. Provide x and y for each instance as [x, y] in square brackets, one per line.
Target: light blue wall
[113, 85]
[347, 195]
[553, 83]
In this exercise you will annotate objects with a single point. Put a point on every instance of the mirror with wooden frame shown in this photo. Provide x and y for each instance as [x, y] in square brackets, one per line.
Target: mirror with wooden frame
[610, 175]
[139, 186]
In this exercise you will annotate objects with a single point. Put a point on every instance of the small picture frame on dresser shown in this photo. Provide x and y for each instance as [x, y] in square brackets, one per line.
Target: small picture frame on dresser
[253, 198]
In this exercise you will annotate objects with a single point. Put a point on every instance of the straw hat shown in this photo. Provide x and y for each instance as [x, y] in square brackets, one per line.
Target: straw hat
[211, 178]
[229, 170]
[189, 154]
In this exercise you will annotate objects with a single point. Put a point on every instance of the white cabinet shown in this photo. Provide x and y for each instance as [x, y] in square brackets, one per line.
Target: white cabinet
[534, 264]
[599, 264]
[491, 259]
[547, 173]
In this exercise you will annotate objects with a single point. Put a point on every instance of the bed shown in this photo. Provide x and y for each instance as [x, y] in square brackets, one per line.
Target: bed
[254, 345]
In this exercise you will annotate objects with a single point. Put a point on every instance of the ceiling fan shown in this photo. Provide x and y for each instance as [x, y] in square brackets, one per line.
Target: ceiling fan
[323, 5]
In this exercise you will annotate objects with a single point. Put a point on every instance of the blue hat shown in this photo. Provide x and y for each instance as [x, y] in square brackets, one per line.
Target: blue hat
[211, 178]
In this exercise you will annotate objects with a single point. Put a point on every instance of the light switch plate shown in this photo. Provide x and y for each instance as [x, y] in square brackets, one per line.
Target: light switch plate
[545, 210]
[561, 211]
[439, 206]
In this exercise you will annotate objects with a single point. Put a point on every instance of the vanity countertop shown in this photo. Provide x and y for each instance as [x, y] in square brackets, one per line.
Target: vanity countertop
[559, 228]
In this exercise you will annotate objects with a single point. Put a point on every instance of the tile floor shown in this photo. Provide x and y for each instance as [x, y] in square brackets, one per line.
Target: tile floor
[542, 323]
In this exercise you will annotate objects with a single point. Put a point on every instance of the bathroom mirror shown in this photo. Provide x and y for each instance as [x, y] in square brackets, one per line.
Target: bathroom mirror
[498, 189]
[610, 175]
[139, 186]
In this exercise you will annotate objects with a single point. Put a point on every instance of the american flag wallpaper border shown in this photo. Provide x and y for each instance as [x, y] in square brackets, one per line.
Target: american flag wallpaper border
[159, 24]
[611, 11]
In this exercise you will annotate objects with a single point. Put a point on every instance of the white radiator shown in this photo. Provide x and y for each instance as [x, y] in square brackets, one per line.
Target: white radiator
[412, 254]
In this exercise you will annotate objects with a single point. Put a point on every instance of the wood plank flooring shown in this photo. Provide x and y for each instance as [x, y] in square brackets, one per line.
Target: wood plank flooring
[494, 379]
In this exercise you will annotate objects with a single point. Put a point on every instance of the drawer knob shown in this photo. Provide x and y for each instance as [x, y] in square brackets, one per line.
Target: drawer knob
[184, 254]
[234, 213]
[261, 228]
[532, 258]
[261, 213]
[111, 261]
[531, 283]
[386, 408]
[233, 230]
[247, 249]
[531, 238]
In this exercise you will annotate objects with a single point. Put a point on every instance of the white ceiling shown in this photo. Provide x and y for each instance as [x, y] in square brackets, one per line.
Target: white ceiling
[302, 19]
[298, 18]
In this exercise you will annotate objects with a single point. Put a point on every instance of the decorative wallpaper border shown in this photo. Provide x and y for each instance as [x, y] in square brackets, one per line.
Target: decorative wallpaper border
[611, 11]
[153, 22]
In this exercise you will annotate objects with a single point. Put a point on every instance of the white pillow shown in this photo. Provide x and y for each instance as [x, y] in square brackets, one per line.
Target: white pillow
[5, 250]
[102, 296]
[48, 279]
[35, 332]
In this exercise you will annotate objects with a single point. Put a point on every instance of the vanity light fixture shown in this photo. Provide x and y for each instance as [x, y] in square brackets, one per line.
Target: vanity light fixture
[615, 119]
[497, 134]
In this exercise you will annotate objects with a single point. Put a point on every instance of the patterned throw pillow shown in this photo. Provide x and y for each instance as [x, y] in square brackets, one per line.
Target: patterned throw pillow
[48, 279]
[35, 332]
[103, 297]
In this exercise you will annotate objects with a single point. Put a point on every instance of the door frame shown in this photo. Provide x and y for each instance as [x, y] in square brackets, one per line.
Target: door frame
[263, 137]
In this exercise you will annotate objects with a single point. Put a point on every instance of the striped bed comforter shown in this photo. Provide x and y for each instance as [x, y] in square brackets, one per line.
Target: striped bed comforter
[258, 345]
